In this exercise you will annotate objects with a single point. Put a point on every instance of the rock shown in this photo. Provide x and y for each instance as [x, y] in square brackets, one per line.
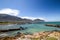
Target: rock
[23, 28]
[28, 33]
[8, 38]
[52, 25]
[19, 34]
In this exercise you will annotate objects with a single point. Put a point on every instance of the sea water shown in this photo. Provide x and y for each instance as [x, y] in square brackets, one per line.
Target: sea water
[31, 28]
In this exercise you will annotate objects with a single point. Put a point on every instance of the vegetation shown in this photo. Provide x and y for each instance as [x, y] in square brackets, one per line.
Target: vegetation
[51, 38]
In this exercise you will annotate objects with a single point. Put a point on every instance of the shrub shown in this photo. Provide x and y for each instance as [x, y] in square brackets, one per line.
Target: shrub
[51, 38]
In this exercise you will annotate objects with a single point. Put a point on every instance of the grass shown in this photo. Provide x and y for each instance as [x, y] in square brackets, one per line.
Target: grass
[51, 38]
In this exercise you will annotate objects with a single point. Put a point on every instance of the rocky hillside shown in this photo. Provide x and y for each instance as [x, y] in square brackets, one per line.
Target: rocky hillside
[9, 18]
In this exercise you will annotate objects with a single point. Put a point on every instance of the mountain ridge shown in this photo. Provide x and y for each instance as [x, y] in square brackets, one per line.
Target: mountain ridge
[15, 19]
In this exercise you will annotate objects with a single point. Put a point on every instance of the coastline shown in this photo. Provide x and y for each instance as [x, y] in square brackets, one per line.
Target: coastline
[53, 25]
[55, 34]
[43, 35]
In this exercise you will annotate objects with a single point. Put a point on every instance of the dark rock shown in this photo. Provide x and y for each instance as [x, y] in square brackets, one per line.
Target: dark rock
[18, 32]
[52, 25]
[28, 33]
[9, 30]
[23, 28]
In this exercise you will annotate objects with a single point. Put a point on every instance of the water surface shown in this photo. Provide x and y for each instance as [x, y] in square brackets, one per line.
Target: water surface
[32, 28]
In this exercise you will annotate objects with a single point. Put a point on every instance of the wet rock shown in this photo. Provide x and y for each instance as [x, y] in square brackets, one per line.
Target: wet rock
[23, 28]
[19, 34]
[28, 33]
[52, 25]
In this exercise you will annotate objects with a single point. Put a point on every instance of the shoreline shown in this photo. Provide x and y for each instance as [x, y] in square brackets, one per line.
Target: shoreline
[44, 35]
[39, 36]
[53, 25]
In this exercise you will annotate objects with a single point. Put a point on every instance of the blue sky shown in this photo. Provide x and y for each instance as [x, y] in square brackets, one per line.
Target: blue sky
[47, 9]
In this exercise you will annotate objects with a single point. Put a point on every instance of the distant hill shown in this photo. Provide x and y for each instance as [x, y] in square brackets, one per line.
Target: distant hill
[5, 18]
[38, 21]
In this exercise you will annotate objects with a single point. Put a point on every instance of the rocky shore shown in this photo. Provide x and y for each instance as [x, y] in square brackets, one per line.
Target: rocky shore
[47, 35]
[21, 28]
[52, 25]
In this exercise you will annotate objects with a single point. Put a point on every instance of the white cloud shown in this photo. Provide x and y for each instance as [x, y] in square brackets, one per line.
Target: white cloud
[9, 11]
[16, 12]
[34, 18]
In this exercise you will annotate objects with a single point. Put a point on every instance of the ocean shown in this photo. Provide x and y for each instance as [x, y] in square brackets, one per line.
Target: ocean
[31, 28]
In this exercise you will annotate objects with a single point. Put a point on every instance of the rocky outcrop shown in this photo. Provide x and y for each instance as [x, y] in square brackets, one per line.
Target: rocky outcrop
[9, 30]
[21, 28]
[52, 25]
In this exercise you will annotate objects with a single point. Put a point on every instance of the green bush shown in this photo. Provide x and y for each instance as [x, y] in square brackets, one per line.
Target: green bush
[51, 38]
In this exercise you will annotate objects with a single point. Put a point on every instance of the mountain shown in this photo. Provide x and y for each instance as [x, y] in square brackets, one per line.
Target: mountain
[38, 21]
[8, 18]
[5, 18]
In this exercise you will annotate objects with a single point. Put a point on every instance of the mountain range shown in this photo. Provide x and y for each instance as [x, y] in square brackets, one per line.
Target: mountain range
[10, 18]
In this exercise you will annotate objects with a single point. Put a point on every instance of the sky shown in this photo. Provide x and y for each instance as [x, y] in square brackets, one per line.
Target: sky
[48, 10]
